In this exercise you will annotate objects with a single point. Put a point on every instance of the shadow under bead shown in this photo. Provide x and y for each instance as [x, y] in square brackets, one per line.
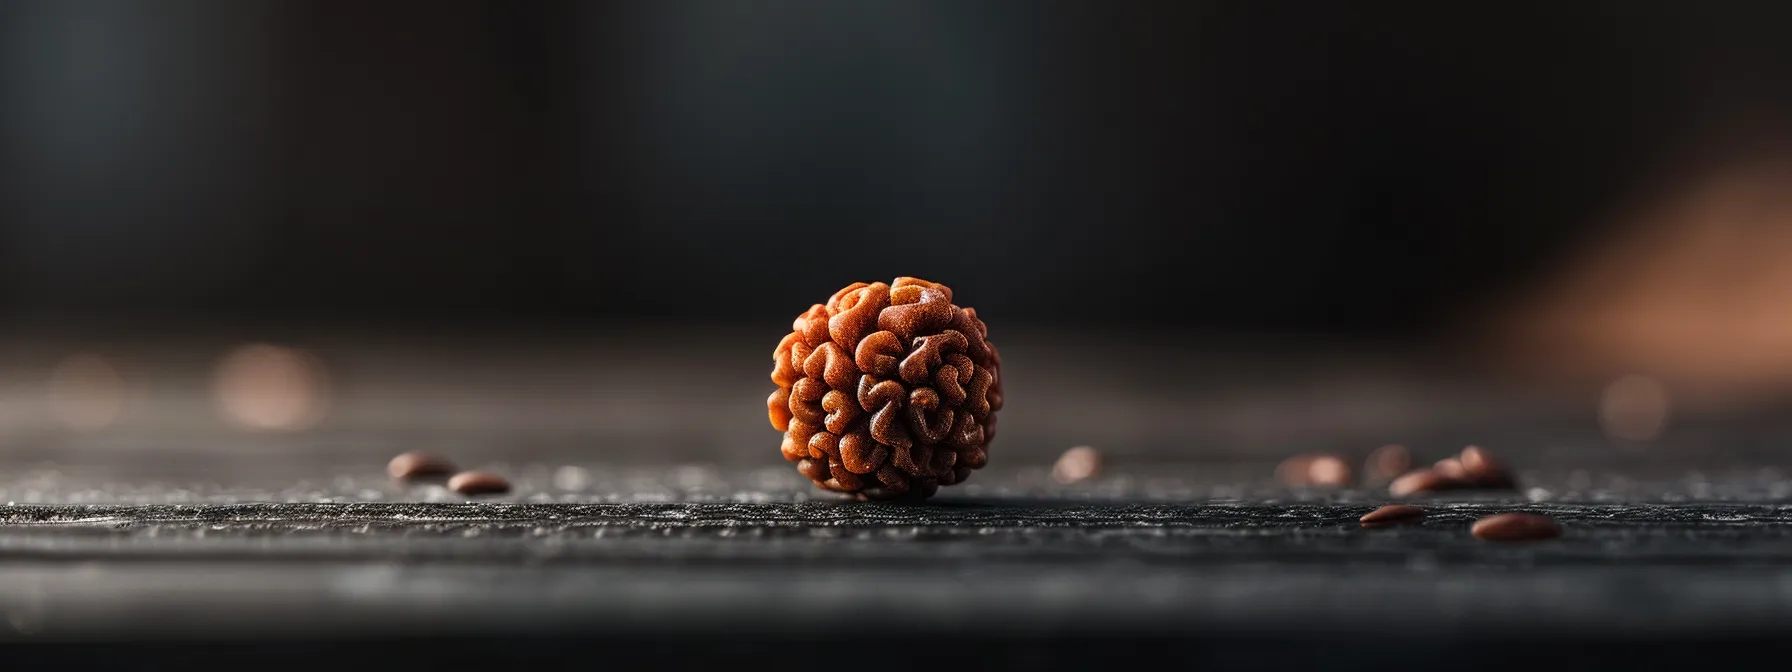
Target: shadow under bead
[886, 391]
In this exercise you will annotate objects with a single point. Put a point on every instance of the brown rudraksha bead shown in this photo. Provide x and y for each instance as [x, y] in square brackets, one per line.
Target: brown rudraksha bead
[887, 391]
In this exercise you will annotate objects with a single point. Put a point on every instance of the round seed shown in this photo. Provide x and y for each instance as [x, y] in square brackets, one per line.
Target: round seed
[478, 483]
[417, 463]
[1392, 513]
[1516, 527]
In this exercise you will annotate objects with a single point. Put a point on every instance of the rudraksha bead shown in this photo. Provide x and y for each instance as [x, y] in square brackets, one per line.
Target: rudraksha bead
[887, 391]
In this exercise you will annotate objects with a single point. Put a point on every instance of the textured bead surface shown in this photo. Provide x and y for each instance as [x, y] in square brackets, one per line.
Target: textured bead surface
[887, 390]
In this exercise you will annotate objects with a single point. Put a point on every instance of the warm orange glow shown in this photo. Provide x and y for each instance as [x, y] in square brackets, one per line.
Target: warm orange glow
[1693, 287]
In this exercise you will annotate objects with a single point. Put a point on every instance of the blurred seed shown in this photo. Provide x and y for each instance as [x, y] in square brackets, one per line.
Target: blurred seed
[1077, 464]
[1451, 468]
[1516, 527]
[266, 387]
[1478, 462]
[571, 478]
[417, 463]
[1485, 471]
[478, 483]
[1296, 470]
[1389, 461]
[1421, 480]
[1392, 513]
[1328, 470]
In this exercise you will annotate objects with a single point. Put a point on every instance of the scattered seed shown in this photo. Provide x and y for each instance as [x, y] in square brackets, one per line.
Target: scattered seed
[1516, 527]
[417, 463]
[1485, 471]
[1077, 464]
[1451, 468]
[1477, 461]
[1296, 470]
[1392, 513]
[478, 483]
[1422, 480]
[1329, 470]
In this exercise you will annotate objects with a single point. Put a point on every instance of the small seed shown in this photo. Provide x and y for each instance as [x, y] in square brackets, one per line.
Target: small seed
[418, 463]
[1077, 464]
[1516, 527]
[1484, 470]
[1328, 470]
[1422, 480]
[1296, 470]
[478, 483]
[1388, 461]
[1477, 461]
[1451, 468]
[1392, 513]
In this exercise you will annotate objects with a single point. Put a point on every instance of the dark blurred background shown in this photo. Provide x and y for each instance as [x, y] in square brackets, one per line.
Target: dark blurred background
[247, 190]
[250, 250]
[1329, 168]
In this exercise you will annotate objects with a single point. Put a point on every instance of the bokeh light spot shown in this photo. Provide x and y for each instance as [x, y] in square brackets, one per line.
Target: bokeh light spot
[271, 388]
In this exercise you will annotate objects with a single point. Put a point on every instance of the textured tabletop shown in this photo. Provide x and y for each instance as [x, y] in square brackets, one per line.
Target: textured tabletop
[646, 529]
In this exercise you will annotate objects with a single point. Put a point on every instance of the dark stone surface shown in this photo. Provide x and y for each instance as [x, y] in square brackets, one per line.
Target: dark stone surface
[633, 537]
[702, 564]
[1063, 559]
